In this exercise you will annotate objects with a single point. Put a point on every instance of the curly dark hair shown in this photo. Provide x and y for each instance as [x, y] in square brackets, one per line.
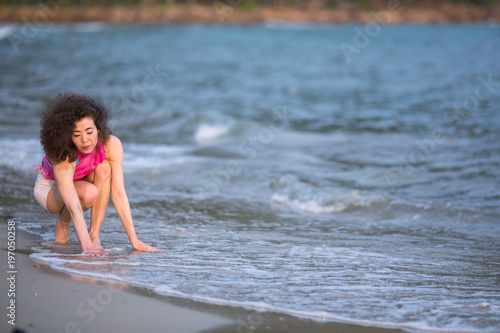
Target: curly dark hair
[58, 122]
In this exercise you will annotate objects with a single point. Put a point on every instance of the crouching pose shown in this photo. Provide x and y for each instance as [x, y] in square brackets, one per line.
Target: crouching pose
[83, 165]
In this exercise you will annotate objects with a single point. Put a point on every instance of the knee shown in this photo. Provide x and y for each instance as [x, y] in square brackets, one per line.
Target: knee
[103, 171]
[89, 197]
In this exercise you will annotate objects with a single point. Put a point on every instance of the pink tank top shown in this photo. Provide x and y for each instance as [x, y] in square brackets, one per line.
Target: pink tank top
[86, 163]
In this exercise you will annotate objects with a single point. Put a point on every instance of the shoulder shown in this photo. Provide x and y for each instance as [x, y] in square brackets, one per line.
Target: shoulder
[113, 148]
[64, 164]
[113, 141]
[64, 169]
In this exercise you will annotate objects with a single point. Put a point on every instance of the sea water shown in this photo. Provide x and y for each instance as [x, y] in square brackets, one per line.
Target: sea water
[299, 169]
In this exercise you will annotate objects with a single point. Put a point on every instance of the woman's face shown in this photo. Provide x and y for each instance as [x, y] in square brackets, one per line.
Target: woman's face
[85, 135]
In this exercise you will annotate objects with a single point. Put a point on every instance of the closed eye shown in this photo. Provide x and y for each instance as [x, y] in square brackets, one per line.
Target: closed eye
[78, 135]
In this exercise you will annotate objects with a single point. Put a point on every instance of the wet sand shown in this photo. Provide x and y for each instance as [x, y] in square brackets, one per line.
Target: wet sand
[50, 301]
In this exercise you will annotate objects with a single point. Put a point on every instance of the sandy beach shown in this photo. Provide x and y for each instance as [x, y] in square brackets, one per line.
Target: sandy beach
[49, 301]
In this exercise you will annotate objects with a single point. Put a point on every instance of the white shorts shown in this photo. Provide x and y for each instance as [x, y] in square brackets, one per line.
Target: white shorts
[42, 189]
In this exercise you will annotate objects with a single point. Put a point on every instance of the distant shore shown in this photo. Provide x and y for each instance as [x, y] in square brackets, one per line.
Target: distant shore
[223, 13]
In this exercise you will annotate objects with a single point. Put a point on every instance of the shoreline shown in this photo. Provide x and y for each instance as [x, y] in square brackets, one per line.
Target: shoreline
[48, 300]
[51, 301]
[223, 14]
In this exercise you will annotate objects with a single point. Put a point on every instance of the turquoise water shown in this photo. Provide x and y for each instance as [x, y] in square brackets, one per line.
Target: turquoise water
[277, 173]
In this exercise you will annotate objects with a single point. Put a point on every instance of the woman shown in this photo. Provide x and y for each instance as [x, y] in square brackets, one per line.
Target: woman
[82, 166]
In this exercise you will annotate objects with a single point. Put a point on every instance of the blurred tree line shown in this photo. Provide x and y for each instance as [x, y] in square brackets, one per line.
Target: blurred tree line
[360, 4]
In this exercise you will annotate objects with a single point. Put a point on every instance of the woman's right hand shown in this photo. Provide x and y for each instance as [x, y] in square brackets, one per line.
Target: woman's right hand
[140, 246]
[93, 251]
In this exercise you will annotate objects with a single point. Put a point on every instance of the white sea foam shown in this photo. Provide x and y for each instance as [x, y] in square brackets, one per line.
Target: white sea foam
[20, 154]
[311, 206]
[213, 128]
[207, 134]
[314, 315]
[5, 31]
[300, 196]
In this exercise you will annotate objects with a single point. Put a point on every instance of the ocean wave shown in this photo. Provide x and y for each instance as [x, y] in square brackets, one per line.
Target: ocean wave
[5, 31]
[303, 197]
[23, 154]
[20, 154]
[139, 157]
[209, 133]
[213, 128]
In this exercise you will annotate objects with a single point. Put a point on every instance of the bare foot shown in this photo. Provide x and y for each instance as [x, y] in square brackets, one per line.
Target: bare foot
[62, 232]
[97, 243]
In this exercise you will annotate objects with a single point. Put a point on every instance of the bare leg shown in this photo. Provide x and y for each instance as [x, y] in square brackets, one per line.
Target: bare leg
[101, 178]
[62, 226]
[87, 193]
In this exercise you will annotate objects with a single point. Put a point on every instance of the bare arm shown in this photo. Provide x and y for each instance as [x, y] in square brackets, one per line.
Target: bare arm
[114, 153]
[63, 174]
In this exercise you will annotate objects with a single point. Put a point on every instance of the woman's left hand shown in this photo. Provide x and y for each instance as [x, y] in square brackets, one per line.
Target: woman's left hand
[140, 246]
